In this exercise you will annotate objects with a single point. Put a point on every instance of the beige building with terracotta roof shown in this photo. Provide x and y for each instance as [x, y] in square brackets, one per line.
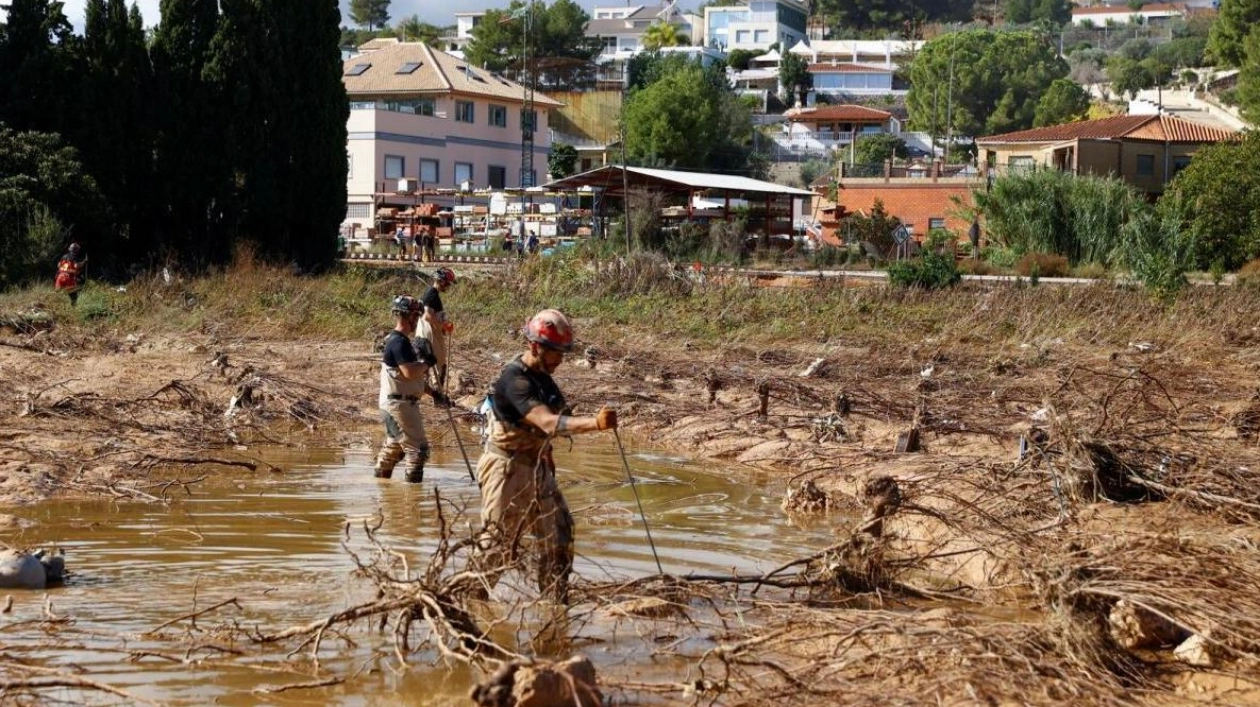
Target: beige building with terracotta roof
[1144, 150]
[425, 116]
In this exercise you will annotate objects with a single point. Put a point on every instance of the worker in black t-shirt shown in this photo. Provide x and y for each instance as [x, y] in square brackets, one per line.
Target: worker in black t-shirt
[434, 325]
[404, 378]
[516, 472]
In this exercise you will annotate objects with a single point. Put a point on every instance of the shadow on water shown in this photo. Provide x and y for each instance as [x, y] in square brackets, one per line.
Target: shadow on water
[274, 543]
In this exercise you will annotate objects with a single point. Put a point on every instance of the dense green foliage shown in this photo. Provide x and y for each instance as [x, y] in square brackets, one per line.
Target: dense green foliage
[1051, 12]
[795, 78]
[1249, 78]
[997, 80]
[897, 15]
[226, 124]
[1220, 202]
[562, 160]
[739, 59]
[1063, 102]
[1049, 211]
[681, 115]
[1234, 22]
[42, 188]
[561, 54]
[930, 271]
[879, 148]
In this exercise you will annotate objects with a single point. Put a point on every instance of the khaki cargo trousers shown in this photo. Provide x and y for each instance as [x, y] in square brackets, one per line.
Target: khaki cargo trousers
[519, 496]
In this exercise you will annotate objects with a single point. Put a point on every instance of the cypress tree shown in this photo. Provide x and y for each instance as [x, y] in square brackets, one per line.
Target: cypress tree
[314, 111]
[283, 63]
[115, 138]
[194, 173]
[34, 65]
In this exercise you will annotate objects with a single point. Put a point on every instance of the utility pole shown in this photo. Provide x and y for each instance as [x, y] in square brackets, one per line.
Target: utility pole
[949, 106]
[528, 115]
[625, 178]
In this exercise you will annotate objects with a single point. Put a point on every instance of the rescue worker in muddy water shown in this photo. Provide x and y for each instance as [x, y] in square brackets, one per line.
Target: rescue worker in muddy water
[404, 378]
[434, 325]
[516, 471]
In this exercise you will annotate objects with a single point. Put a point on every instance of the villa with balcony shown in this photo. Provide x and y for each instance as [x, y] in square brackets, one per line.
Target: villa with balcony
[818, 130]
[427, 117]
[620, 30]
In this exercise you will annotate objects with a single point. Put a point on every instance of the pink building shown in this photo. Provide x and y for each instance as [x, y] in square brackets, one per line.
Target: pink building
[425, 116]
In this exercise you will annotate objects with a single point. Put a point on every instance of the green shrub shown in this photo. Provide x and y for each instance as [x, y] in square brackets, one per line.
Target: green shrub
[1042, 265]
[930, 272]
[1003, 258]
[1090, 271]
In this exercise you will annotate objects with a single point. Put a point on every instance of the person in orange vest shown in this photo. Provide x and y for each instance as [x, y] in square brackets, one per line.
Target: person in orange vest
[71, 271]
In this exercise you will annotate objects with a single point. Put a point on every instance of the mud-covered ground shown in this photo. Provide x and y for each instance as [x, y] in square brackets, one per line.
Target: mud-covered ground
[1069, 519]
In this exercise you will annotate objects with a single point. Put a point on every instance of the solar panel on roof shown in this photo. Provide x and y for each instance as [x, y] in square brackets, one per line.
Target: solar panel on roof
[408, 68]
[357, 69]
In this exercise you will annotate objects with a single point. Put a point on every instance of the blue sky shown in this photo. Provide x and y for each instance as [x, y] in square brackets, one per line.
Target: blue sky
[397, 9]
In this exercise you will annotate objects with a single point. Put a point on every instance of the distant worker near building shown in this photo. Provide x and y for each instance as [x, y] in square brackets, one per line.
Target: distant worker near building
[404, 378]
[516, 472]
[973, 234]
[71, 272]
[434, 325]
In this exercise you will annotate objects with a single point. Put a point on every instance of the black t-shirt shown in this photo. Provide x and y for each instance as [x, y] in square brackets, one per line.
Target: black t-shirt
[520, 390]
[432, 299]
[398, 350]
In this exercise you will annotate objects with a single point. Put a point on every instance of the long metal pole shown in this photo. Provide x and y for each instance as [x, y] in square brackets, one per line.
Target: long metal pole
[460, 440]
[626, 465]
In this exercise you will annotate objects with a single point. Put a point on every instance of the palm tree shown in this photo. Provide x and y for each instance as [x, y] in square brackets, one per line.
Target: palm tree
[663, 34]
[412, 29]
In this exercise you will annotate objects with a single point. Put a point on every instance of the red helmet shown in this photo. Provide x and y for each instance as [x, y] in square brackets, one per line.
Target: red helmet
[444, 275]
[551, 329]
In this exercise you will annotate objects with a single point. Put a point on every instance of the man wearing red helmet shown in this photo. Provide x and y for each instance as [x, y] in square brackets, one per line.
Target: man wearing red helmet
[516, 472]
[404, 378]
[434, 326]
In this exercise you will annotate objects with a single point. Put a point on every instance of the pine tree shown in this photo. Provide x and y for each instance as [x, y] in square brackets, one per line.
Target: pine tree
[372, 14]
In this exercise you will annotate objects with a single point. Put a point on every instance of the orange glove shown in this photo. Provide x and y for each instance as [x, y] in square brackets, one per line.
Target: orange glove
[606, 419]
[448, 327]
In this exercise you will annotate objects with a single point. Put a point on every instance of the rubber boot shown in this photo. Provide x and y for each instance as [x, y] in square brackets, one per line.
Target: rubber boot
[415, 474]
[383, 473]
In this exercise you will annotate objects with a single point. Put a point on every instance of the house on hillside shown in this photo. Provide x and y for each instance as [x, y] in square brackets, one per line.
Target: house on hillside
[1151, 14]
[620, 30]
[754, 25]
[465, 22]
[1143, 150]
[421, 115]
[818, 130]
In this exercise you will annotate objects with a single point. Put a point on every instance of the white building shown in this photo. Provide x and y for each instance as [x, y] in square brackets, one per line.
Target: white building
[464, 24]
[620, 30]
[1122, 14]
[755, 26]
[427, 117]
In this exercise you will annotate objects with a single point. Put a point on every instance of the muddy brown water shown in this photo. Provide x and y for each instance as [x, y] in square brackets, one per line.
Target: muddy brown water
[274, 541]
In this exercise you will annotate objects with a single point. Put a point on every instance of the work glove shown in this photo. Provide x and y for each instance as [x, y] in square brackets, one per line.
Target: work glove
[448, 327]
[606, 419]
[441, 400]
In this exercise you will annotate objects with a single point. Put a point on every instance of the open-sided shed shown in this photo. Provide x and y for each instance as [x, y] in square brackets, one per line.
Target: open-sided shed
[771, 207]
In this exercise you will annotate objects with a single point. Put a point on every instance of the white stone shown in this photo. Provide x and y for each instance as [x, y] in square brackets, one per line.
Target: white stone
[1194, 651]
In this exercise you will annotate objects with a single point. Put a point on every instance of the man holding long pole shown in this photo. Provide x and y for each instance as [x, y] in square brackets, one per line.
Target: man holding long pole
[516, 472]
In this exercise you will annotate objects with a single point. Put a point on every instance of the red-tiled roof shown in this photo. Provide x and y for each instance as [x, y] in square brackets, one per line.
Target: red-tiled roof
[826, 68]
[829, 113]
[1136, 127]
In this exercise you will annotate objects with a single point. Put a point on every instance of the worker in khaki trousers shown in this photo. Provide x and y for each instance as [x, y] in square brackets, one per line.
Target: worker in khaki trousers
[516, 472]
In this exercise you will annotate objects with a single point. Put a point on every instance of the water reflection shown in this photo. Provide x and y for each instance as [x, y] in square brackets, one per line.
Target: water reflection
[274, 542]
